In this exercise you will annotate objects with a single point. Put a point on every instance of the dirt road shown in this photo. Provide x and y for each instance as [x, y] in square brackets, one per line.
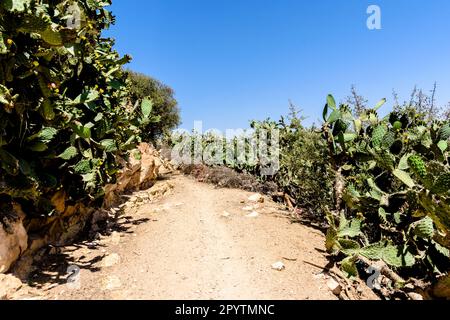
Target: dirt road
[200, 242]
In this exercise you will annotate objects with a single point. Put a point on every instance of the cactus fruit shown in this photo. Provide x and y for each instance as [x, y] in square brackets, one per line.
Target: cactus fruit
[397, 125]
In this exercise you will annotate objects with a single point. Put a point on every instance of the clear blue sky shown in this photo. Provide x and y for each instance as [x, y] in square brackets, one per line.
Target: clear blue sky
[230, 61]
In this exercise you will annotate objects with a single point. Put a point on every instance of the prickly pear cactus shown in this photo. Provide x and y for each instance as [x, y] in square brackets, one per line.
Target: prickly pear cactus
[397, 178]
[417, 165]
[63, 92]
[442, 185]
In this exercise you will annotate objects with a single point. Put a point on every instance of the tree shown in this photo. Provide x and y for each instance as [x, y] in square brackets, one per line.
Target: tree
[446, 112]
[422, 104]
[165, 106]
[357, 103]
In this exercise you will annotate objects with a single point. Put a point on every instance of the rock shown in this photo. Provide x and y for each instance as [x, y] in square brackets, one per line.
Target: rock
[442, 288]
[248, 208]
[319, 276]
[160, 189]
[226, 214]
[59, 201]
[110, 260]
[415, 296]
[334, 286]
[74, 225]
[115, 238]
[409, 286]
[8, 286]
[140, 172]
[256, 198]
[24, 267]
[13, 238]
[279, 266]
[112, 283]
[150, 165]
[254, 214]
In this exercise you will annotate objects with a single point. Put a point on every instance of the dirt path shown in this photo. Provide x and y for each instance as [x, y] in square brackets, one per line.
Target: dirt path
[198, 243]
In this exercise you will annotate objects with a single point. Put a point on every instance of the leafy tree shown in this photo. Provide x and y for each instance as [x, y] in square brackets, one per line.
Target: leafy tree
[164, 104]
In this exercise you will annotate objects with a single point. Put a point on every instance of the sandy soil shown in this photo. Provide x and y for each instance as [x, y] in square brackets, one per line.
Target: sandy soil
[197, 243]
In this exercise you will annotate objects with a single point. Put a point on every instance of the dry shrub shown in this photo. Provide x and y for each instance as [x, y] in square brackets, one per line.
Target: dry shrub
[224, 177]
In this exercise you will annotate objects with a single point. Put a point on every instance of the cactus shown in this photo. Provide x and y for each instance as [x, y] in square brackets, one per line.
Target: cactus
[418, 166]
[62, 97]
[398, 182]
[442, 185]
[388, 140]
[444, 132]
[425, 228]
[378, 134]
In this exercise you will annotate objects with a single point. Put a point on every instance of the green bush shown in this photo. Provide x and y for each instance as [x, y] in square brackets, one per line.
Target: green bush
[63, 95]
[164, 104]
[396, 195]
[304, 173]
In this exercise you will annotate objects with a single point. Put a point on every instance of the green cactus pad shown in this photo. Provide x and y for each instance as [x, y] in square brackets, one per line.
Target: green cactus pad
[385, 159]
[444, 133]
[388, 140]
[442, 185]
[417, 164]
[378, 135]
[424, 228]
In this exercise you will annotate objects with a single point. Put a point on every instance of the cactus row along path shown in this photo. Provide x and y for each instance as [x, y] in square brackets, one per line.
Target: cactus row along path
[197, 242]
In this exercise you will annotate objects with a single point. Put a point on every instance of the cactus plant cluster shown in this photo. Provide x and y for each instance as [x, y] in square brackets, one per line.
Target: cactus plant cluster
[64, 118]
[301, 153]
[396, 198]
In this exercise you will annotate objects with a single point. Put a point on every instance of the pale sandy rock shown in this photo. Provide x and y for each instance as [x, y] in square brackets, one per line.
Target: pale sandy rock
[226, 214]
[253, 214]
[110, 260]
[8, 286]
[415, 296]
[334, 286]
[112, 283]
[13, 239]
[256, 198]
[115, 238]
[279, 266]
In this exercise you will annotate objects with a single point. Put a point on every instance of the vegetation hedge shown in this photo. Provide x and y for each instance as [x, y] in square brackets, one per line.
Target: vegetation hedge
[64, 118]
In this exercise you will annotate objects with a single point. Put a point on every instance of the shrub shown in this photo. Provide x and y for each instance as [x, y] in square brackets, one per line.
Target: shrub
[396, 200]
[63, 120]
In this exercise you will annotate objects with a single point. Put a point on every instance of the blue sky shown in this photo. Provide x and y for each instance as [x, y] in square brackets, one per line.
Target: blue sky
[230, 61]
